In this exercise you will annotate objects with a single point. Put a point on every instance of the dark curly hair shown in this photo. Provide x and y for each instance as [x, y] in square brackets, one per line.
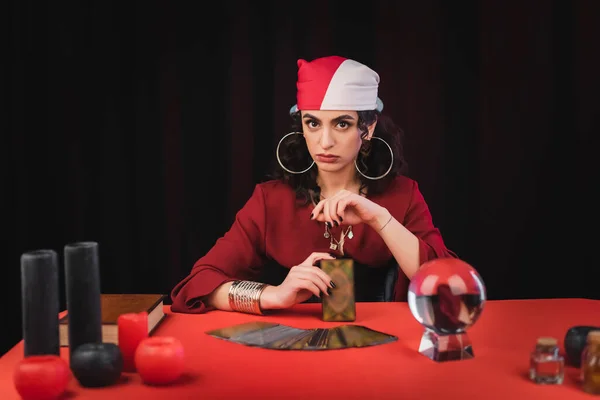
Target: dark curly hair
[373, 160]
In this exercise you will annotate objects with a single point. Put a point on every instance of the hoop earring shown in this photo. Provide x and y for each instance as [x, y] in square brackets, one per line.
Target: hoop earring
[374, 178]
[279, 159]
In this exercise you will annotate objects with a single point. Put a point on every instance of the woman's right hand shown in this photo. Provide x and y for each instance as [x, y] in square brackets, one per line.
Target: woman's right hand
[301, 283]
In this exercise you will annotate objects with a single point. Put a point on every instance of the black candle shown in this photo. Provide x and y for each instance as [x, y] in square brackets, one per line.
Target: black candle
[39, 302]
[82, 283]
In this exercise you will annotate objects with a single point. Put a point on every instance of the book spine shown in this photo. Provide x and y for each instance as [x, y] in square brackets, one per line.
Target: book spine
[40, 303]
[82, 283]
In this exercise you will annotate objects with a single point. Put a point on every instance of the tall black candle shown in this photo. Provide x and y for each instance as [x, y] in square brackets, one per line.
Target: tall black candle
[82, 283]
[39, 302]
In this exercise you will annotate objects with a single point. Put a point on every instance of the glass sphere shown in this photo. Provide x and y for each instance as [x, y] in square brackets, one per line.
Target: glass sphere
[446, 295]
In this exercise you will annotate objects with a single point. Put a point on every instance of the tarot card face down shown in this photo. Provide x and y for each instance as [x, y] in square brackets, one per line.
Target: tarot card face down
[282, 337]
[259, 334]
[340, 304]
[361, 336]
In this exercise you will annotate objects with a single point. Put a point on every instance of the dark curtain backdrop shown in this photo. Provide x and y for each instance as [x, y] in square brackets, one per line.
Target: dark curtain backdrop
[145, 126]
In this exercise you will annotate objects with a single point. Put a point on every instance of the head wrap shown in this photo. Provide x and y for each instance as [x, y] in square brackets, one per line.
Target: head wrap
[336, 83]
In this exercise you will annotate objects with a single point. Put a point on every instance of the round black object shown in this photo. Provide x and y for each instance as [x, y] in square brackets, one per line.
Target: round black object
[575, 341]
[97, 364]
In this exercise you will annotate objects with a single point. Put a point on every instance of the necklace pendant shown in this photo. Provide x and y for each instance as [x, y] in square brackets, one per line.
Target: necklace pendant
[326, 235]
[350, 234]
[333, 246]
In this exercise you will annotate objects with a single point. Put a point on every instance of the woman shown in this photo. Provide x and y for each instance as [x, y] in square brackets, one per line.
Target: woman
[338, 193]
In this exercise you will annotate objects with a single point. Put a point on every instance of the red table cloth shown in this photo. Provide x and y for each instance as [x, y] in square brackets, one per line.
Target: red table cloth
[503, 339]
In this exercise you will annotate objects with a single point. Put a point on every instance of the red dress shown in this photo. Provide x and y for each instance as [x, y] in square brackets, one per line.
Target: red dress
[273, 227]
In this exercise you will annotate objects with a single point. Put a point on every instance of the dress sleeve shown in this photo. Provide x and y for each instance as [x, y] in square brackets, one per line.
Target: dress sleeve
[418, 220]
[239, 254]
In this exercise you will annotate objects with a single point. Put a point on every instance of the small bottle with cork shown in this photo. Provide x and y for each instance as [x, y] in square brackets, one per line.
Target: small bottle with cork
[590, 363]
[546, 365]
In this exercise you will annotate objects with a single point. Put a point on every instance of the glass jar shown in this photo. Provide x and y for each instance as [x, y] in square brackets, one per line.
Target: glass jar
[590, 363]
[546, 365]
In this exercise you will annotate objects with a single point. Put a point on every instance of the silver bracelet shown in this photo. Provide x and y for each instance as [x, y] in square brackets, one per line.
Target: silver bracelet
[388, 221]
[244, 296]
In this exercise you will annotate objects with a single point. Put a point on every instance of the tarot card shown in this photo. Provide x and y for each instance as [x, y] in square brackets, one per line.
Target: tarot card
[296, 340]
[301, 343]
[340, 304]
[318, 340]
[235, 331]
[261, 334]
[282, 337]
[336, 339]
[263, 337]
[360, 336]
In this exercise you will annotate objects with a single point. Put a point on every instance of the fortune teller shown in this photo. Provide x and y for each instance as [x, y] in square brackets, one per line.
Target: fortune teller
[338, 192]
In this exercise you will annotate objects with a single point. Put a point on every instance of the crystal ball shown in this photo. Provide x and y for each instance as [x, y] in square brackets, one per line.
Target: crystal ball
[446, 295]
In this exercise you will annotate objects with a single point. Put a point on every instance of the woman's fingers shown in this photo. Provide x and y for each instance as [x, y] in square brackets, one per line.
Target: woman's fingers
[308, 285]
[317, 274]
[329, 212]
[341, 205]
[317, 256]
[308, 275]
[318, 209]
[321, 274]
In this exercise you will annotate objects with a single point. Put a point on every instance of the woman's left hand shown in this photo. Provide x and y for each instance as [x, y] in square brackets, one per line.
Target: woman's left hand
[349, 208]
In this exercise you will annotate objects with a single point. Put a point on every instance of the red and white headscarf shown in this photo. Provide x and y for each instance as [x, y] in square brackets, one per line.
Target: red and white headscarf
[336, 83]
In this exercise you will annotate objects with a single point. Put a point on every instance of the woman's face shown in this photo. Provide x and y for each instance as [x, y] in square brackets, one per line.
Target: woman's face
[333, 138]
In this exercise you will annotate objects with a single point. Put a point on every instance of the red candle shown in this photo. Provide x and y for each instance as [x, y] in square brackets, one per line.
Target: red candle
[133, 328]
[160, 360]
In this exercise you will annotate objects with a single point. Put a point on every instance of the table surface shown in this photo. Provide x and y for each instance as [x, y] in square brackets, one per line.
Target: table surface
[502, 340]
